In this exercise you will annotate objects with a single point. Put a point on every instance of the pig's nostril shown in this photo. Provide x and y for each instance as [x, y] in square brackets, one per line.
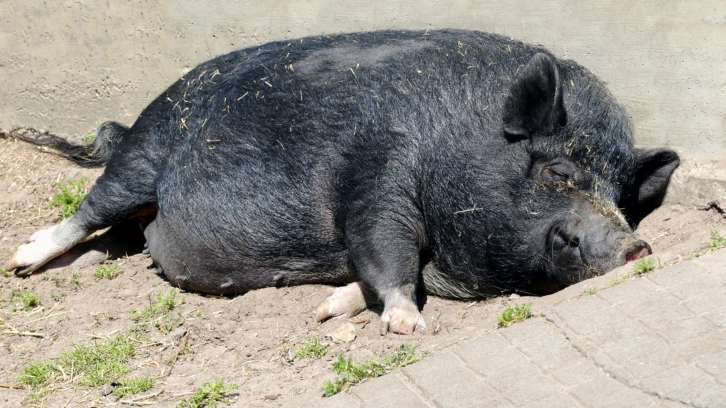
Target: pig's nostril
[637, 250]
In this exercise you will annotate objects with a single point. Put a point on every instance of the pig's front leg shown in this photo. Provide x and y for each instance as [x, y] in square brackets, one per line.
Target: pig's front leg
[385, 247]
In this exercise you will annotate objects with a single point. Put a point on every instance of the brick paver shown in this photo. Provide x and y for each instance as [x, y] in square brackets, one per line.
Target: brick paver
[659, 340]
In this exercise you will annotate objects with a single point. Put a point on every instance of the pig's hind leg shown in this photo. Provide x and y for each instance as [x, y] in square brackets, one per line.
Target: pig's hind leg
[346, 301]
[125, 189]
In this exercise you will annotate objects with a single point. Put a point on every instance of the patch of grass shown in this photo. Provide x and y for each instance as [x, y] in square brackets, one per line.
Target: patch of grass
[28, 300]
[90, 137]
[37, 374]
[107, 271]
[70, 197]
[351, 373]
[159, 312]
[6, 273]
[516, 314]
[98, 364]
[57, 297]
[36, 398]
[133, 386]
[209, 395]
[620, 280]
[717, 240]
[164, 304]
[643, 266]
[91, 364]
[590, 291]
[76, 280]
[313, 349]
[170, 322]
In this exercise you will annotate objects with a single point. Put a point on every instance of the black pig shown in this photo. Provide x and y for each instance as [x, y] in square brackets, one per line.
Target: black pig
[456, 162]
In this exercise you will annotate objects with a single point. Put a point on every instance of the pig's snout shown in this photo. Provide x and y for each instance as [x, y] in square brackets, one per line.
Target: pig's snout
[631, 251]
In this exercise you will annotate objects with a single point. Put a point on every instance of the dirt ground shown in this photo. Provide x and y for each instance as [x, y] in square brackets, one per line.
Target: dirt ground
[249, 340]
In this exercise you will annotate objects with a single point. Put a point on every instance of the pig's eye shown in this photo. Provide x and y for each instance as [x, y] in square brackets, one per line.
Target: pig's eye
[558, 176]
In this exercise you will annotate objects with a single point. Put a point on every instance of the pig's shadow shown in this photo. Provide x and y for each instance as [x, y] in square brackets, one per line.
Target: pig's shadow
[121, 240]
[127, 239]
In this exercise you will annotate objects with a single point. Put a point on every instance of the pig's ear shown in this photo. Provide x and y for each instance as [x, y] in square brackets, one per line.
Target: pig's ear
[534, 103]
[653, 170]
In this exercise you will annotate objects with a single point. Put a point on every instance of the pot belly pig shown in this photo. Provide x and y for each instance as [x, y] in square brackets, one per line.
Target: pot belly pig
[458, 163]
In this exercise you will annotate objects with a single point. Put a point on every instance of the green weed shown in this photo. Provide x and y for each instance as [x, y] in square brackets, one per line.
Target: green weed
[516, 314]
[313, 349]
[70, 197]
[76, 280]
[6, 273]
[159, 312]
[717, 240]
[133, 386]
[618, 281]
[57, 297]
[107, 271]
[98, 364]
[209, 395]
[164, 304]
[28, 300]
[91, 364]
[351, 373]
[35, 399]
[643, 266]
[37, 374]
[90, 137]
[591, 291]
[170, 322]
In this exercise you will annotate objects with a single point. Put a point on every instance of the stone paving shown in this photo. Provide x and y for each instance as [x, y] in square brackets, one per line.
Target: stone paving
[657, 340]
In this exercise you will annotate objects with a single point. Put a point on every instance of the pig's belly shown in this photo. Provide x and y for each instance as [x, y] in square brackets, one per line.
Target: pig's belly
[195, 256]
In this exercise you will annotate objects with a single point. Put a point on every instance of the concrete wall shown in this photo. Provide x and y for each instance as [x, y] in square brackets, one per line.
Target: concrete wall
[69, 65]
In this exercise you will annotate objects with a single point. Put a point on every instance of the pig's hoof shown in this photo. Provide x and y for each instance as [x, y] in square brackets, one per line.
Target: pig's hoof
[31, 256]
[404, 320]
[346, 301]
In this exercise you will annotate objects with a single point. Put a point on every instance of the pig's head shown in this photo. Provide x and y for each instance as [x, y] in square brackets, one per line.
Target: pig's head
[585, 186]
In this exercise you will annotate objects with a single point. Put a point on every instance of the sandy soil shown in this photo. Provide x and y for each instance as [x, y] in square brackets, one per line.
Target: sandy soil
[248, 340]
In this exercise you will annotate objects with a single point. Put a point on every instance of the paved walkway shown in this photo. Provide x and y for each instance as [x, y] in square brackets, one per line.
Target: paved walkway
[658, 340]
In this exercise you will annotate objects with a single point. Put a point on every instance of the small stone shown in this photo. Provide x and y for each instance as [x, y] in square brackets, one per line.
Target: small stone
[177, 334]
[72, 174]
[514, 296]
[343, 334]
[107, 389]
[127, 293]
